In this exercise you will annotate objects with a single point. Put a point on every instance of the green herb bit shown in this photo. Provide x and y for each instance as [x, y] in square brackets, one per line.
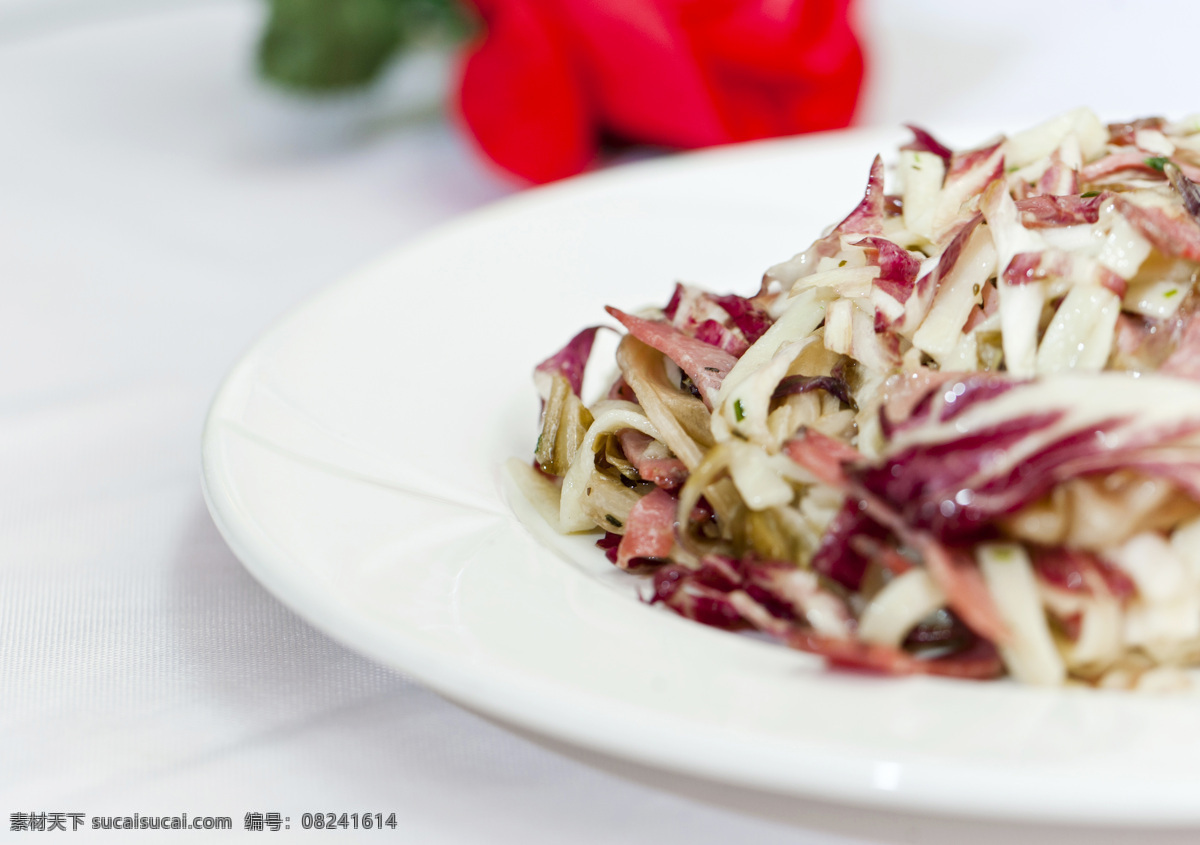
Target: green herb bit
[739, 413]
[1157, 162]
[1170, 293]
[1089, 195]
[612, 520]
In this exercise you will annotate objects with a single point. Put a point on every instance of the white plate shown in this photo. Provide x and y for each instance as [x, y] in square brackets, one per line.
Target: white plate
[353, 462]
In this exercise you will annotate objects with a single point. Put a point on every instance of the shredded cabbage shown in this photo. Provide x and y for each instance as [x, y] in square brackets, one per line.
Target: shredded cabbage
[959, 434]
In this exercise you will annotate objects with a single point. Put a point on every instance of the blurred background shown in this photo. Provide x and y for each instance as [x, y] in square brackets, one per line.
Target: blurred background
[162, 202]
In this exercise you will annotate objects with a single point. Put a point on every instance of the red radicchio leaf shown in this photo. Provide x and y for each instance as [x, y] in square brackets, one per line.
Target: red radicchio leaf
[609, 543]
[747, 317]
[874, 549]
[1125, 134]
[673, 305]
[1185, 187]
[1060, 179]
[1176, 236]
[704, 364]
[952, 569]
[898, 268]
[1117, 162]
[867, 217]
[923, 142]
[991, 304]
[1046, 211]
[909, 398]
[732, 323]
[837, 555]
[1080, 571]
[980, 662]
[1184, 362]
[727, 593]
[956, 485]
[973, 388]
[1027, 267]
[954, 249]
[650, 531]
[823, 456]
[922, 482]
[765, 582]
[944, 629]
[676, 587]
[797, 384]
[570, 361]
[720, 572]
[927, 285]
[980, 166]
[1023, 268]
[668, 473]
[620, 389]
[715, 334]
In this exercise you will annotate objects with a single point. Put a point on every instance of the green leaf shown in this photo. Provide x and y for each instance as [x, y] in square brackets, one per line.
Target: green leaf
[739, 413]
[329, 45]
[1157, 162]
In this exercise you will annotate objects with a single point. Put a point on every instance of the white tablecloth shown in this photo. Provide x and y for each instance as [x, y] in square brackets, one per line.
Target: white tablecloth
[158, 209]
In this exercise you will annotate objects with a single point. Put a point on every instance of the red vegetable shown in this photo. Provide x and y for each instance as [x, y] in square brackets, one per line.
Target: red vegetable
[549, 79]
